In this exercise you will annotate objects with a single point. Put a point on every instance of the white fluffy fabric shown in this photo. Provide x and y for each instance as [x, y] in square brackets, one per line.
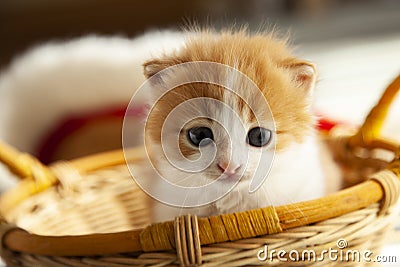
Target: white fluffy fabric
[60, 79]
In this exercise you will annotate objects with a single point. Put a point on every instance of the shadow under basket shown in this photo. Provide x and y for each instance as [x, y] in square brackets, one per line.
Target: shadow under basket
[90, 212]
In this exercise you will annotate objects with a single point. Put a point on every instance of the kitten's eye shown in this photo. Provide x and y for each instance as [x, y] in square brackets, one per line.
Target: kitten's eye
[198, 134]
[258, 137]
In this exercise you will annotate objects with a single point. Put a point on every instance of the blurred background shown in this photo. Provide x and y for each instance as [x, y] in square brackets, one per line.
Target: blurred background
[355, 44]
[26, 23]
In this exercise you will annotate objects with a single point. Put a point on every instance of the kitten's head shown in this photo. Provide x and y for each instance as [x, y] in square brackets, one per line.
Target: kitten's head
[198, 120]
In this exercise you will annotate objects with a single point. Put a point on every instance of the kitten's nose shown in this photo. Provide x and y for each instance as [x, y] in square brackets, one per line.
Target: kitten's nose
[228, 169]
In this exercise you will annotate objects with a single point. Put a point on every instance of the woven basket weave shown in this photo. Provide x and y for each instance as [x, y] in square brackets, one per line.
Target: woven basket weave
[90, 212]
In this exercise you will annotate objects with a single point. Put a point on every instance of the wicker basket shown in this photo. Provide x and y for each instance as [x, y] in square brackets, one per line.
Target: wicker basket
[89, 212]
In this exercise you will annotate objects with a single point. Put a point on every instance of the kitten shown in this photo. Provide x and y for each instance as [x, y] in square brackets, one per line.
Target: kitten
[286, 82]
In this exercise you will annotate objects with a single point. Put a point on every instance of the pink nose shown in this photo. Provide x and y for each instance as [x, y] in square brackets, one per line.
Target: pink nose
[229, 170]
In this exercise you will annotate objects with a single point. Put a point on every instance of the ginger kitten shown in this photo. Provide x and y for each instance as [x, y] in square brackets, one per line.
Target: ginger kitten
[286, 82]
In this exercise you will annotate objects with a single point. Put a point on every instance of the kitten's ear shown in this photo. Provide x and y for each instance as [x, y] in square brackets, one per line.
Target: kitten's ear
[153, 66]
[304, 74]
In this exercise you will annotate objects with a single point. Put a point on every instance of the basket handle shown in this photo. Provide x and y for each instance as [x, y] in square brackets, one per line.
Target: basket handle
[369, 134]
[35, 177]
[25, 166]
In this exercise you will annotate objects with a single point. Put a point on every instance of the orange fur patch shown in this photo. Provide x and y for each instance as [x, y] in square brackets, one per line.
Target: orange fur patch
[263, 58]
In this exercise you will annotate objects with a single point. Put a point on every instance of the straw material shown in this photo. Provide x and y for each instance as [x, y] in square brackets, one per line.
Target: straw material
[94, 214]
[362, 228]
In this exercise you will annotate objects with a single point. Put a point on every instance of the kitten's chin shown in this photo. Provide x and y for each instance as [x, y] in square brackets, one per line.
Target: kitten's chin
[230, 179]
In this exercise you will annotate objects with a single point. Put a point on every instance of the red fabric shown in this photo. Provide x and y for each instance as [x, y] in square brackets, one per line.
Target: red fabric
[70, 125]
[66, 127]
[326, 125]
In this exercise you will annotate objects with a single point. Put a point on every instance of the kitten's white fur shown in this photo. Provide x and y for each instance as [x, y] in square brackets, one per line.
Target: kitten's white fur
[293, 177]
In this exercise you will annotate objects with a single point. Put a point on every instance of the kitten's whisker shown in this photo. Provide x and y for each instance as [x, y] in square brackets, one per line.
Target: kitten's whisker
[290, 200]
[186, 177]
